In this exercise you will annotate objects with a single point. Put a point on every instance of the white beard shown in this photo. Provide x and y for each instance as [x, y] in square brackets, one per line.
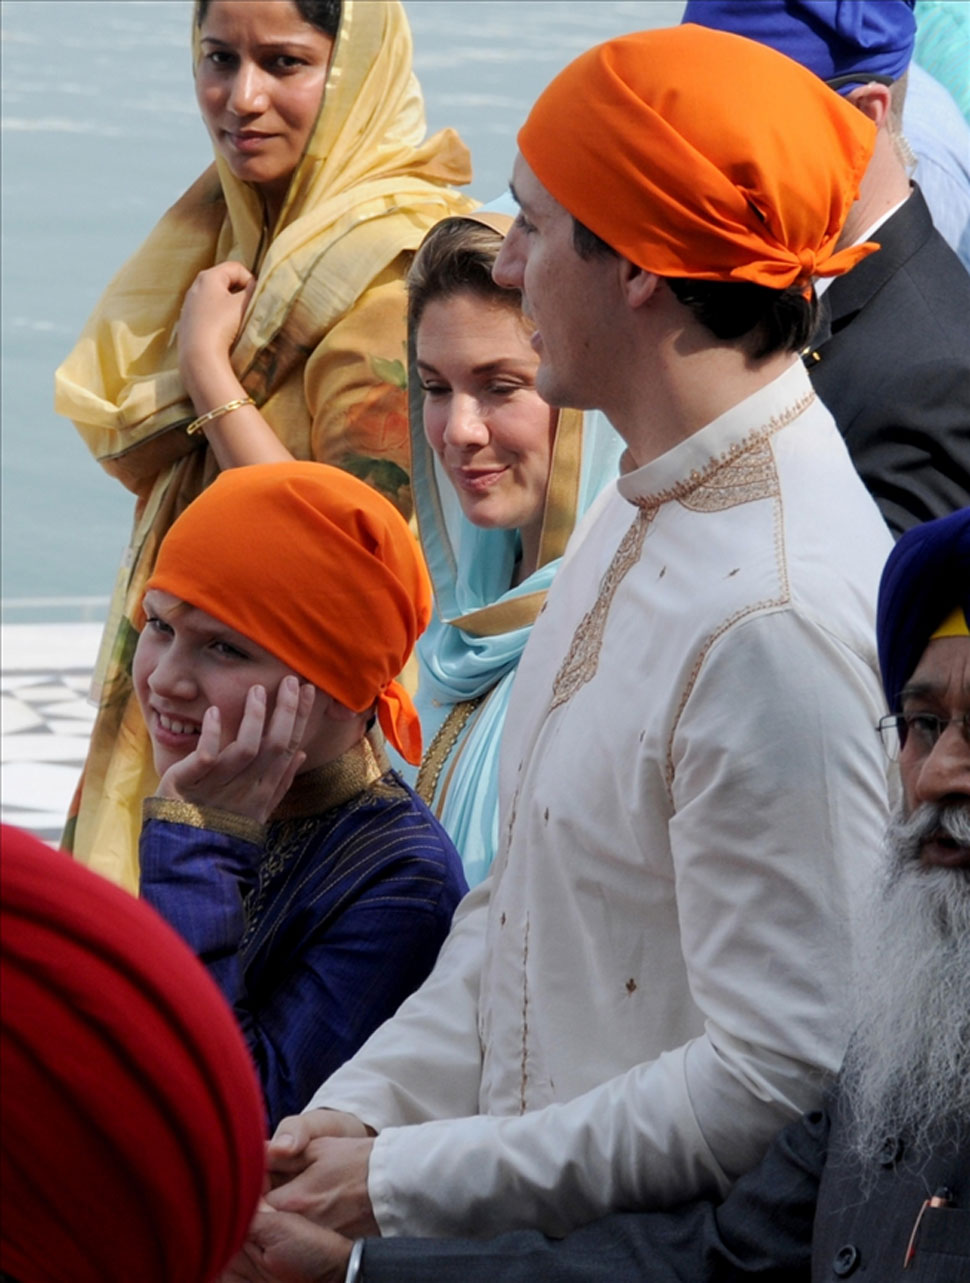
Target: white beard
[907, 1070]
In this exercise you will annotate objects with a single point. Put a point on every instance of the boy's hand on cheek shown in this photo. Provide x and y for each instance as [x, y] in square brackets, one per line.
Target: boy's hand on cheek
[250, 774]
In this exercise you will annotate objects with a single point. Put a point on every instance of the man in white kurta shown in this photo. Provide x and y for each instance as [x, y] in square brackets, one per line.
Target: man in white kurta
[692, 792]
[650, 983]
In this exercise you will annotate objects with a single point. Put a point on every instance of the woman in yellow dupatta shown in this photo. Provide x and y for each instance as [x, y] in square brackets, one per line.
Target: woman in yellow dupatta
[302, 285]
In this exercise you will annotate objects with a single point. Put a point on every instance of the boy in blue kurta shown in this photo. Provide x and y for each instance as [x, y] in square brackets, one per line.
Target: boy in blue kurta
[313, 883]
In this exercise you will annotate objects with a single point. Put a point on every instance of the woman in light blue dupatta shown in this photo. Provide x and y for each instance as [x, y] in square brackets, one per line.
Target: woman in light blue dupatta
[499, 481]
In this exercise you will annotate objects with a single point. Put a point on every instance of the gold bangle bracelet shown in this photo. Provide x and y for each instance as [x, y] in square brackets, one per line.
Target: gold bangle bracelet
[203, 419]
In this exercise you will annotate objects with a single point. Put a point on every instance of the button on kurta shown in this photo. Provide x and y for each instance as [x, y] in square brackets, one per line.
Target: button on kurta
[846, 1261]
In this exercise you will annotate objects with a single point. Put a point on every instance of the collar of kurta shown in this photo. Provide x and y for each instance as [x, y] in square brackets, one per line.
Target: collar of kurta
[336, 782]
[703, 461]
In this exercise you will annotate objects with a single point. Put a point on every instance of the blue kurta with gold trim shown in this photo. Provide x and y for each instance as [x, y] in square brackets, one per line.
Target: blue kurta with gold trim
[316, 926]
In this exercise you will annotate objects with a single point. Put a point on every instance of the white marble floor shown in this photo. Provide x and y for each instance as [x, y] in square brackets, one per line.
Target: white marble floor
[45, 720]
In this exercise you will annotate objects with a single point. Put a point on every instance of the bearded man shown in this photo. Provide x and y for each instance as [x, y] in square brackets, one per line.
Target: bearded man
[896, 1184]
[876, 1181]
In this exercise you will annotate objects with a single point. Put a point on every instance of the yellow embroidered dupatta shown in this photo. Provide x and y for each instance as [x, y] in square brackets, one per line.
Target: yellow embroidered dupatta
[321, 351]
[366, 190]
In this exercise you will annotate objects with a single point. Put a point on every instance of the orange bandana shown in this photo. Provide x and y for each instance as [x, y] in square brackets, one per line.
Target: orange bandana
[317, 568]
[700, 154]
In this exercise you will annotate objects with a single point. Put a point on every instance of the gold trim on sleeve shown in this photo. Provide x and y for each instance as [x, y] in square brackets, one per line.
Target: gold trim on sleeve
[204, 817]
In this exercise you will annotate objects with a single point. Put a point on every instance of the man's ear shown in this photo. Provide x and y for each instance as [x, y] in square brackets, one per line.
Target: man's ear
[638, 286]
[873, 100]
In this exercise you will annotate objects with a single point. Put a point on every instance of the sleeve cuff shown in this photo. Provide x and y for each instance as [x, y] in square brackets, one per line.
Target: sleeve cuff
[239, 827]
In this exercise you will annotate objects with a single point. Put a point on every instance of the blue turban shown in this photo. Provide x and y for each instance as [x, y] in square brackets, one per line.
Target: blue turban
[833, 38]
[926, 576]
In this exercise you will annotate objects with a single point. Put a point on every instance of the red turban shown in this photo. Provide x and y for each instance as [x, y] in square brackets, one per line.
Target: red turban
[132, 1148]
[317, 568]
[701, 154]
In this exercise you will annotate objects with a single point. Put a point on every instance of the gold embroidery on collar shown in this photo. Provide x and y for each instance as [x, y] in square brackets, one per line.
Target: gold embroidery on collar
[743, 474]
[335, 782]
[684, 489]
[746, 479]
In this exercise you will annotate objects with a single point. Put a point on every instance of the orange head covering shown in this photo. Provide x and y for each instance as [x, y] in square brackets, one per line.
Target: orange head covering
[133, 1128]
[317, 568]
[700, 154]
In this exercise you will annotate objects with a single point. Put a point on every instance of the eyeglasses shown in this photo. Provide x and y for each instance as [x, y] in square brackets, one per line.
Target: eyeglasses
[921, 730]
[859, 78]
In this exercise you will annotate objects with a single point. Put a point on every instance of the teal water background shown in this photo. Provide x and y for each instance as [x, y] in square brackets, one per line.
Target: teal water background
[100, 134]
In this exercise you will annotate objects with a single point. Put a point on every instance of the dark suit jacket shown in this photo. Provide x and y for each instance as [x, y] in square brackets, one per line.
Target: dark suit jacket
[891, 360]
[802, 1216]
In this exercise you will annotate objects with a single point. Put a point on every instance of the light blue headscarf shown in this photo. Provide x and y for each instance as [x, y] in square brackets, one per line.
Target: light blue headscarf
[480, 625]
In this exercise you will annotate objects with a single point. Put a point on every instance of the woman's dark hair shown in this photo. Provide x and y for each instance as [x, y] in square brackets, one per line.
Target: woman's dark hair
[457, 255]
[763, 320]
[322, 14]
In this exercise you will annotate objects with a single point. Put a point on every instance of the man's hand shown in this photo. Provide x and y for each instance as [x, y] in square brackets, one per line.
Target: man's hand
[285, 1153]
[284, 1248]
[251, 773]
[330, 1185]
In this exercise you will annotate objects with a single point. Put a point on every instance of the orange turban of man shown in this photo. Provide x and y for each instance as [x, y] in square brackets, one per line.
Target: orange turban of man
[133, 1127]
[318, 569]
[700, 154]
